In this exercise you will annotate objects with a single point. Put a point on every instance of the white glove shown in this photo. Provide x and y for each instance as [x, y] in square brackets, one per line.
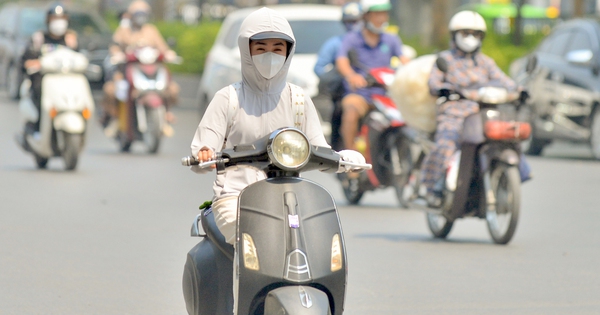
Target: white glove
[352, 157]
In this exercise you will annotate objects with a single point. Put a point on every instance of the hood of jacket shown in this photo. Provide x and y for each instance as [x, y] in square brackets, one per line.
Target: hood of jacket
[264, 23]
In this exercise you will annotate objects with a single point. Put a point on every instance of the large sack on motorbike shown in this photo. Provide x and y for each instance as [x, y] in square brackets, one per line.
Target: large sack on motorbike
[410, 92]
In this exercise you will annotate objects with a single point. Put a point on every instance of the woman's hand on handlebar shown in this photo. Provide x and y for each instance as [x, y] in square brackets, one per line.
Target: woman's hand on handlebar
[205, 155]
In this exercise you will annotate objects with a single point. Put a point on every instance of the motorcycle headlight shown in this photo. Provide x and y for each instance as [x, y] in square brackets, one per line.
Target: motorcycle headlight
[289, 149]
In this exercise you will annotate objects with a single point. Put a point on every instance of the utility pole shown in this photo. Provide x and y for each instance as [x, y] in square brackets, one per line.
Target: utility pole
[579, 8]
[440, 25]
[518, 31]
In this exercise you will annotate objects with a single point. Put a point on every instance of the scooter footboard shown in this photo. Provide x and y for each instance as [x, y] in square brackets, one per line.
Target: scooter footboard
[297, 300]
[208, 281]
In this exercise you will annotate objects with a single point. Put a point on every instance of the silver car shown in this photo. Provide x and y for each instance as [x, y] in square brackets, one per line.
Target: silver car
[312, 26]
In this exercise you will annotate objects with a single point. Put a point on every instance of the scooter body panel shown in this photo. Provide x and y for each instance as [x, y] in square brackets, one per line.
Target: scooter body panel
[311, 301]
[293, 233]
[69, 94]
[70, 122]
[208, 280]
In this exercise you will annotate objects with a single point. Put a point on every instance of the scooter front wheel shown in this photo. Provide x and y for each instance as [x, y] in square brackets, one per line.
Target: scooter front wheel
[502, 214]
[72, 147]
[352, 188]
[152, 135]
[124, 142]
[41, 162]
[439, 225]
[401, 159]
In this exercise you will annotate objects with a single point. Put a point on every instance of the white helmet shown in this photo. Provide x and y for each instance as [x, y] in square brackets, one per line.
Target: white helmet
[467, 20]
[375, 5]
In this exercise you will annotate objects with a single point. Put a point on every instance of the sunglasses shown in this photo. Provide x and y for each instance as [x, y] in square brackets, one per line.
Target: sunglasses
[476, 34]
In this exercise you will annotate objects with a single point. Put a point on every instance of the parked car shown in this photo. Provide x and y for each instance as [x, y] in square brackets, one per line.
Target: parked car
[562, 76]
[312, 25]
[19, 20]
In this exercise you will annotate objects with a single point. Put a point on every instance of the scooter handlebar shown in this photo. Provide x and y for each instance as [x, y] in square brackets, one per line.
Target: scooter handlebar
[356, 165]
[190, 160]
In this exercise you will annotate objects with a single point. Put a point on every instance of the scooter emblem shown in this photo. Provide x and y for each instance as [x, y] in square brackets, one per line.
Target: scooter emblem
[294, 221]
[304, 297]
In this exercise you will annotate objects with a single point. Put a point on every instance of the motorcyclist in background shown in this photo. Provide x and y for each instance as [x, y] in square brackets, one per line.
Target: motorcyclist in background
[331, 82]
[57, 34]
[374, 49]
[468, 69]
[137, 33]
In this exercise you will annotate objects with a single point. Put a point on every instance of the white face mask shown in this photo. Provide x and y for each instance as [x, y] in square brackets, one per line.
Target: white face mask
[125, 23]
[58, 27]
[268, 64]
[467, 44]
[376, 30]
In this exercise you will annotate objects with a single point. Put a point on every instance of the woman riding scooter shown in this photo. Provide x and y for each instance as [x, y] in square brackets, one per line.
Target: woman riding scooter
[247, 111]
[467, 68]
[57, 34]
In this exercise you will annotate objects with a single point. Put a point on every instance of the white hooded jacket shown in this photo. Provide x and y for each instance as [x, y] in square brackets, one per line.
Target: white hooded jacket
[264, 105]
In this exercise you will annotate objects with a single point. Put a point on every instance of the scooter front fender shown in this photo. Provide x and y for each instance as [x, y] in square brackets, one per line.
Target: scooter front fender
[70, 122]
[509, 156]
[297, 300]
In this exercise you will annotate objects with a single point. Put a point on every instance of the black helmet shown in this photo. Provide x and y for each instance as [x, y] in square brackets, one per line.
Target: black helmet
[56, 9]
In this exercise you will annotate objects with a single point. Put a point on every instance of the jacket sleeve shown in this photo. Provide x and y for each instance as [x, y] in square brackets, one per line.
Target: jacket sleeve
[213, 126]
[32, 50]
[327, 55]
[159, 41]
[497, 75]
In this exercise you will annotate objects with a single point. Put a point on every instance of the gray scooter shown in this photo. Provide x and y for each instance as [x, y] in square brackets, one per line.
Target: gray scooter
[291, 257]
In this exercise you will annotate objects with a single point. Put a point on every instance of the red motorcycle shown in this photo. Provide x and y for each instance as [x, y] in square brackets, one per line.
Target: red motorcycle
[142, 111]
[382, 141]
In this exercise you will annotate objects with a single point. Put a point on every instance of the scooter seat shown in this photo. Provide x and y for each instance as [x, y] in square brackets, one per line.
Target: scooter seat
[212, 231]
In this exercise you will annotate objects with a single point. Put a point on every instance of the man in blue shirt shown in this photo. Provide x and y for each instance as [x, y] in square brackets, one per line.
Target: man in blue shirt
[374, 49]
[330, 80]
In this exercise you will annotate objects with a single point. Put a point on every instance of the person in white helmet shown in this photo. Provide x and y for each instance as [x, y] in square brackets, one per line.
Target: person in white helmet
[374, 49]
[467, 68]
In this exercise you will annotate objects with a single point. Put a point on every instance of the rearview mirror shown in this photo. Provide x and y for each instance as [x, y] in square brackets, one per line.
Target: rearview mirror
[442, 64]
[531, 64]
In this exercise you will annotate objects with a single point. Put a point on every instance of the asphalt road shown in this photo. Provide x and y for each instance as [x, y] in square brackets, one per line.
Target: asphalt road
[112, 237]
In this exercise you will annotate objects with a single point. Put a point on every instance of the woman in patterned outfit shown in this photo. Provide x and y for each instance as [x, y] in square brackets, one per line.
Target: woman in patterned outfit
[468, 69]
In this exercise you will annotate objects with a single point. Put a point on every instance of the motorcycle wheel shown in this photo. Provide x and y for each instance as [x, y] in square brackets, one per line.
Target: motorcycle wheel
[124, 142]
[352, 188]
[152, 136]
[503, 217]
[595, 134]
[72, 147]
[438, 225]
[403, 156]
[41, 162]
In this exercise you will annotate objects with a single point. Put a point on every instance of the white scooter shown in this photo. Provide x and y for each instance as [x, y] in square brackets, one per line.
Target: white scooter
[66, 106]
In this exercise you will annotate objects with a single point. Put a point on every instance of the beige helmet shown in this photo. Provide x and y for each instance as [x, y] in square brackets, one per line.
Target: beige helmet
[139, 5]
[467, 20]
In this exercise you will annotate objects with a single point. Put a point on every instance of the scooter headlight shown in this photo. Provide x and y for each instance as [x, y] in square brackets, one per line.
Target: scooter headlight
[289, 149]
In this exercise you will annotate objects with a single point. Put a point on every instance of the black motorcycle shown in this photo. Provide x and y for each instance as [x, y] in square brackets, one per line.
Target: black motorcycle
[483, 179]
[290, 252]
